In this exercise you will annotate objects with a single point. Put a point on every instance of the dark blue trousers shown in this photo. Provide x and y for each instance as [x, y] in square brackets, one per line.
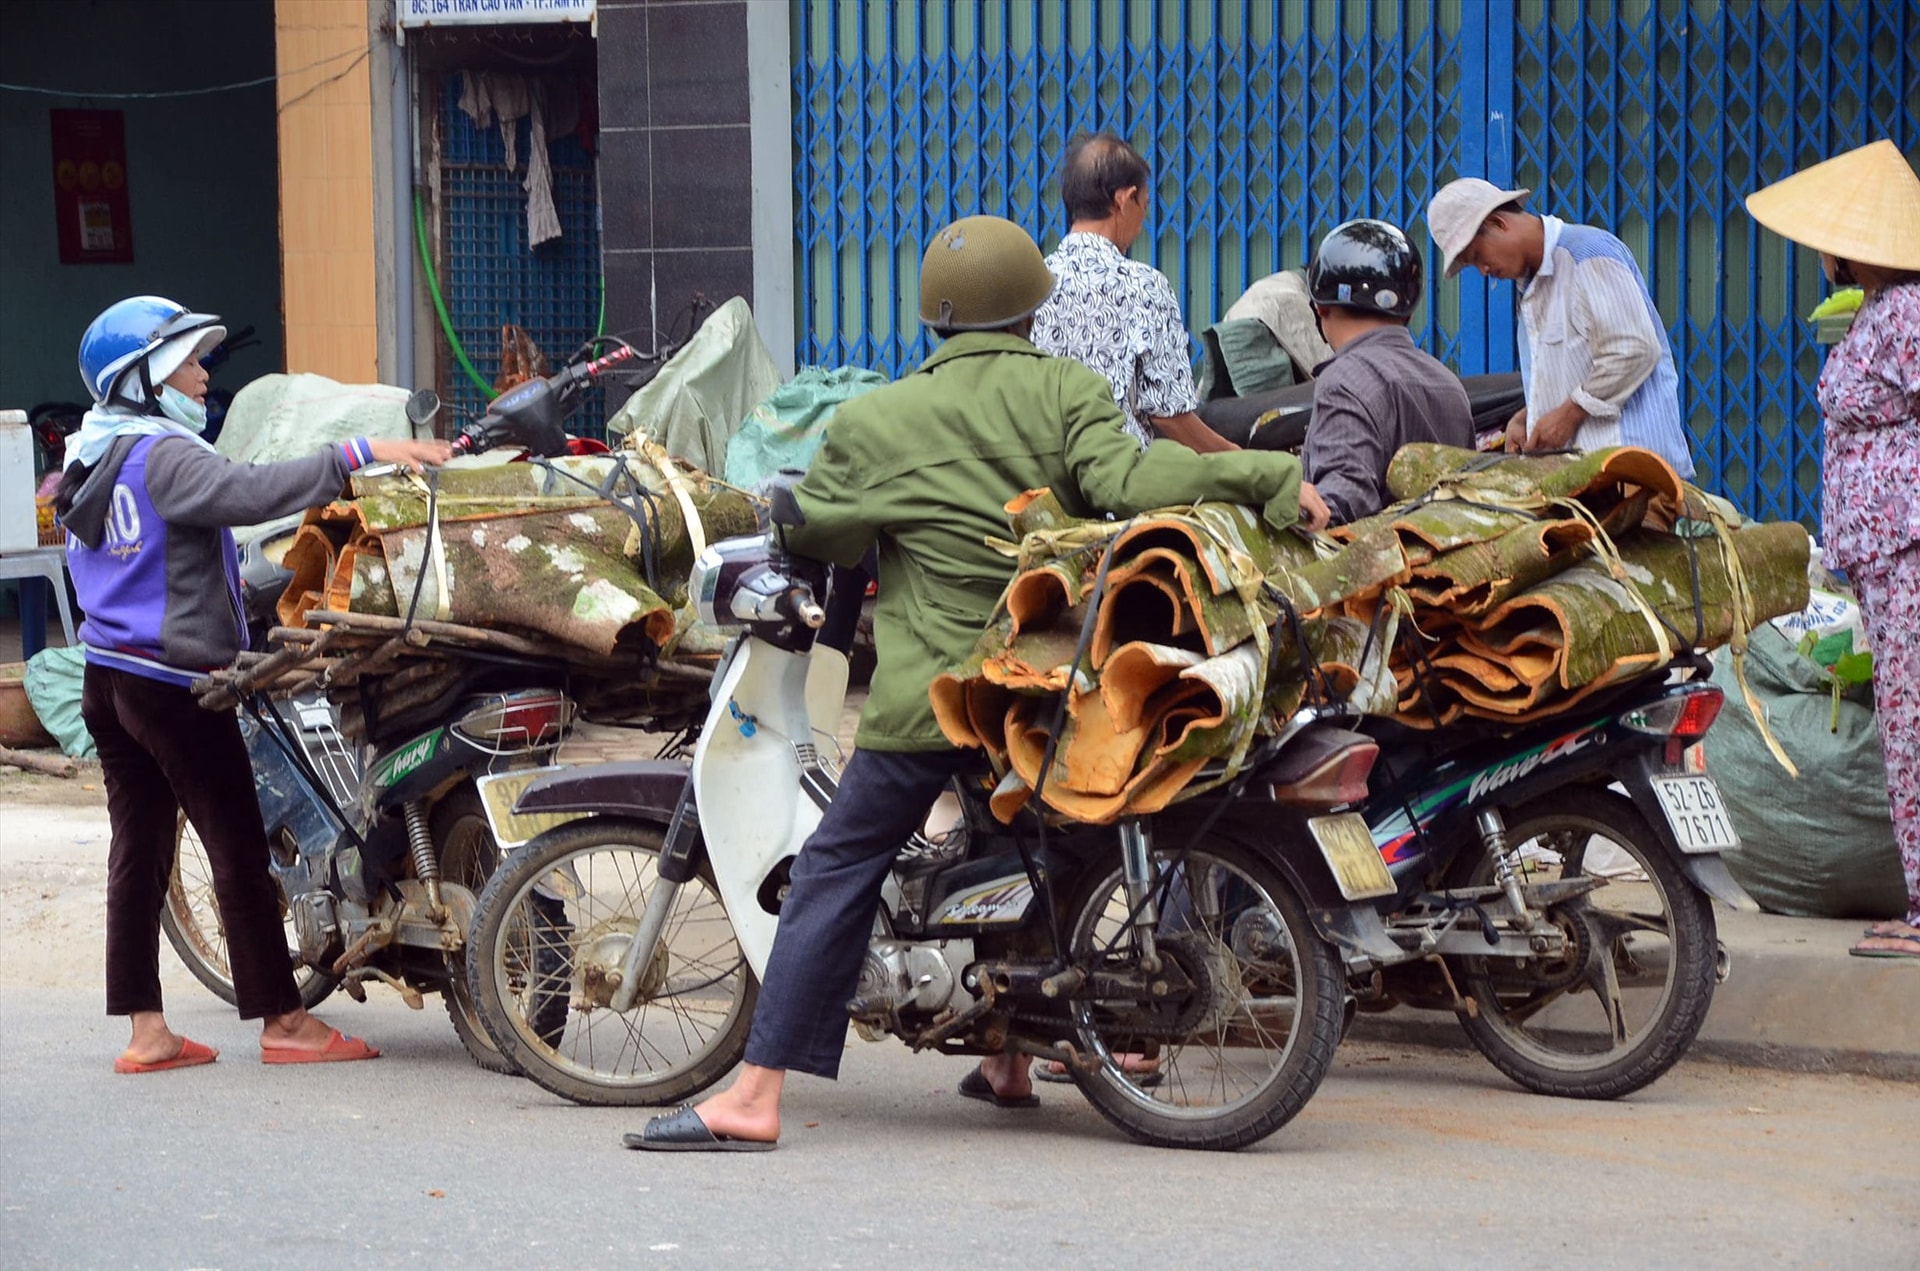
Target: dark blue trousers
[827, 920]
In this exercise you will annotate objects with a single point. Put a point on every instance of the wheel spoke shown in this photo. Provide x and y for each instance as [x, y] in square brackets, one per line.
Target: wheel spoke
[577, 937]
[1602, 978]
[1521, 1012]
[1613, 925]
[1244, 1024]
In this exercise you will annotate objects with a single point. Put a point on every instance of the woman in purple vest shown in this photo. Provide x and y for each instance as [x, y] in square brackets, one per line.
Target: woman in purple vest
[146, 503]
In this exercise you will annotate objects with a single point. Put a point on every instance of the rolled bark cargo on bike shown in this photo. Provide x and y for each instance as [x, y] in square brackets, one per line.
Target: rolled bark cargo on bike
[1128, 656]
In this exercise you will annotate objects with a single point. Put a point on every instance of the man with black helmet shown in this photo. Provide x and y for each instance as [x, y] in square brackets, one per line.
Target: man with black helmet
[923, 469]
[1380, 391]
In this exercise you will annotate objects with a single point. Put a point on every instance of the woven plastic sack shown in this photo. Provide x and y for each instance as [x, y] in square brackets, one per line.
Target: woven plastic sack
[1821, 846]
[53, 682]
[279, 417]
[705, 391]
[785, 430]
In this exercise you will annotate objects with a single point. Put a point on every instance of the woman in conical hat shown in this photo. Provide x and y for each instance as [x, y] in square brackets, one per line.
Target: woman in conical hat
[1861, 212]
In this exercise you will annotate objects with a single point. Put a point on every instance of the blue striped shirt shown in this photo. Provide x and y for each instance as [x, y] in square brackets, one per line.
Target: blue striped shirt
[1590, 334]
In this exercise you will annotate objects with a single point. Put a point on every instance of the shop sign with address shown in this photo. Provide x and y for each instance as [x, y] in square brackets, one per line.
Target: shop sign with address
[419, 13]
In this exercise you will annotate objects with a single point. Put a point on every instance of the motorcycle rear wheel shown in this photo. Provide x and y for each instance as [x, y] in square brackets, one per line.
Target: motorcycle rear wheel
[1256, 1049]
[556, 918]
[192, 922]
[1625, 1013]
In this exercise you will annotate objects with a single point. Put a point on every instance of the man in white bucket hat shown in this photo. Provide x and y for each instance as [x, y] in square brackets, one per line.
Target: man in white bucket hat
[1593, 351]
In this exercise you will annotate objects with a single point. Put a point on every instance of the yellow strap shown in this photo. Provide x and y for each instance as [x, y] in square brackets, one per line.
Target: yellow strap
[1743, 622]
[1605, 548]
[656, 454]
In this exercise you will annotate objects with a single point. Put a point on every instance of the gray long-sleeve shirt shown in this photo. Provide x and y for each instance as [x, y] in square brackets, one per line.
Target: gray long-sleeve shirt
[1379, 393]
[186, 618]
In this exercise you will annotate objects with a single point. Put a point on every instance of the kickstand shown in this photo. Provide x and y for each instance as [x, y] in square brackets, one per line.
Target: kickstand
[1465, 1005]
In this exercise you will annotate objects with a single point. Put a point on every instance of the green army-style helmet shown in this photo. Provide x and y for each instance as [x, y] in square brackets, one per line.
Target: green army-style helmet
[981, 273]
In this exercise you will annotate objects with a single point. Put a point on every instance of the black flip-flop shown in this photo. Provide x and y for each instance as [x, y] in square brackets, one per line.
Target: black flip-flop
[976, 1086]
[684, 1131]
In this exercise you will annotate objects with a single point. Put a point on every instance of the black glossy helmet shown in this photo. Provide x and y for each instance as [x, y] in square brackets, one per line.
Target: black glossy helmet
[1366, 265]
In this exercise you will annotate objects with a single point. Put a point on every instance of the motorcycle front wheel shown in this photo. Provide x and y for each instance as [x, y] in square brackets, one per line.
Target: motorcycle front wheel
[1621, 1004]
[555, 923]
[192, 922]
[1234, 1059]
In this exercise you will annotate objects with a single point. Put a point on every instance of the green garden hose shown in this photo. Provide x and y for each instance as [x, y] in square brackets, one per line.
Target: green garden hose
[440, 305]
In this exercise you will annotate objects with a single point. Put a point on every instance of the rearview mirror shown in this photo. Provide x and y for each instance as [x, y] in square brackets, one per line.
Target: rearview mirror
[422, 407]
[782, 507]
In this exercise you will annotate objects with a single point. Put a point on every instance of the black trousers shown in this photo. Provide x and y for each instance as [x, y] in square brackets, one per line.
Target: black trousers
[161, 754]
[827, 920]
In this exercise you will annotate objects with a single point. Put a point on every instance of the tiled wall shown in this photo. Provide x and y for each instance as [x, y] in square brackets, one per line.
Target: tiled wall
[326, 188]
[676, 178]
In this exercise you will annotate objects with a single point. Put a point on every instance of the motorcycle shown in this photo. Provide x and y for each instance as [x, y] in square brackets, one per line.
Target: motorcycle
[1552, 884]
[1277, 419]
[380, 848]
[1208, 939]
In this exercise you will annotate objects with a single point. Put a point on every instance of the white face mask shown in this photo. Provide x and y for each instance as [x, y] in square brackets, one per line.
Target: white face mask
[181, 409]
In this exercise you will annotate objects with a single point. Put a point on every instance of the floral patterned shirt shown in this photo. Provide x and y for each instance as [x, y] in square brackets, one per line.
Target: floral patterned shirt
[1870, 396]
[1119, 316]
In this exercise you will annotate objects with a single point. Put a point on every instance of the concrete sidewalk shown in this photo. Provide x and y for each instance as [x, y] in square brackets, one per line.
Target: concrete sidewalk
[1793, 1000]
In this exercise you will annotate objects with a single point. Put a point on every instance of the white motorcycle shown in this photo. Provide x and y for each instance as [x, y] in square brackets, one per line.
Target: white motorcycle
[1213, 940]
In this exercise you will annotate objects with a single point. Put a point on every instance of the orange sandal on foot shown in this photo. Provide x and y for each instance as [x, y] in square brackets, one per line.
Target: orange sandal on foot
[192, 1055]
[339, 1049]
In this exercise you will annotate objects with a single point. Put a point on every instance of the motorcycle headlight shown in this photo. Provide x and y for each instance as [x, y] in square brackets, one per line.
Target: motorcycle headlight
[717, 573]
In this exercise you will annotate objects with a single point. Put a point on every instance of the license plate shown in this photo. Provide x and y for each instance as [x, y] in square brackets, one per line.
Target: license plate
[497, 797]
[1347, 844]
[1697, 814]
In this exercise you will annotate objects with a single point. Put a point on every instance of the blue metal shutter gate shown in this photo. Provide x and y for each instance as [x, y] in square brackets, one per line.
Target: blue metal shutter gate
[1269, 121]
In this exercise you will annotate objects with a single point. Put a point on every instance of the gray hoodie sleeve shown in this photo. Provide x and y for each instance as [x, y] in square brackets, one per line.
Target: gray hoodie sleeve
[194, 486]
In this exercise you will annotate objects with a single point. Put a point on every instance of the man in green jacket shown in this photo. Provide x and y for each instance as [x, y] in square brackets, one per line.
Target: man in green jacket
[923, 468]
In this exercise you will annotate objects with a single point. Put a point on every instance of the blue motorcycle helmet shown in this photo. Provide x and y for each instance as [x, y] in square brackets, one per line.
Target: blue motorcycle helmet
[135, 344]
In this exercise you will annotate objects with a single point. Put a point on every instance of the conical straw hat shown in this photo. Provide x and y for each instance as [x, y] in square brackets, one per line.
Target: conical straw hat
[1862, 206]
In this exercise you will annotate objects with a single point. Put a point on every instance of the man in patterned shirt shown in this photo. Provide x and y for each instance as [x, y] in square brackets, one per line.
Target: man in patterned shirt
[1115, 314]
[1594, 353]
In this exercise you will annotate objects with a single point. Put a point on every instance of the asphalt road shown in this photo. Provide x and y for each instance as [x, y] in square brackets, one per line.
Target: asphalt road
[1406, 1159]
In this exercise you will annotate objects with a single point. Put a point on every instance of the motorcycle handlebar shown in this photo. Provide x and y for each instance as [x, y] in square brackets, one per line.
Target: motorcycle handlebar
[493, 427]
[808, 610]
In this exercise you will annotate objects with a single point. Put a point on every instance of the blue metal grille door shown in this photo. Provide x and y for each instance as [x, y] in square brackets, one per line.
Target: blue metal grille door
[1269, 121]
[489, 277]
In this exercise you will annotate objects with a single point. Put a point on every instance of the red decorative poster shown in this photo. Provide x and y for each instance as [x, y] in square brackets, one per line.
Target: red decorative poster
[90, 187]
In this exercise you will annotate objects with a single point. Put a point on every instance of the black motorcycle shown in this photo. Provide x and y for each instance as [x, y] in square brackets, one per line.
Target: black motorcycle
[1187, 967]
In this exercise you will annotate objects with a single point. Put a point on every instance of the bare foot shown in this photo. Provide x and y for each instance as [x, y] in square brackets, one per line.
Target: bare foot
[749, 1108]
[1009, 1075]
[1138, 1065]
[296, 1030]
[1889, 940]
[153, 1042]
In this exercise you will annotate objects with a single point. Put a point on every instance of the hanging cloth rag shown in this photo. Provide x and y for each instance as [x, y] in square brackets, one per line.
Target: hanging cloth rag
[489, 97]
